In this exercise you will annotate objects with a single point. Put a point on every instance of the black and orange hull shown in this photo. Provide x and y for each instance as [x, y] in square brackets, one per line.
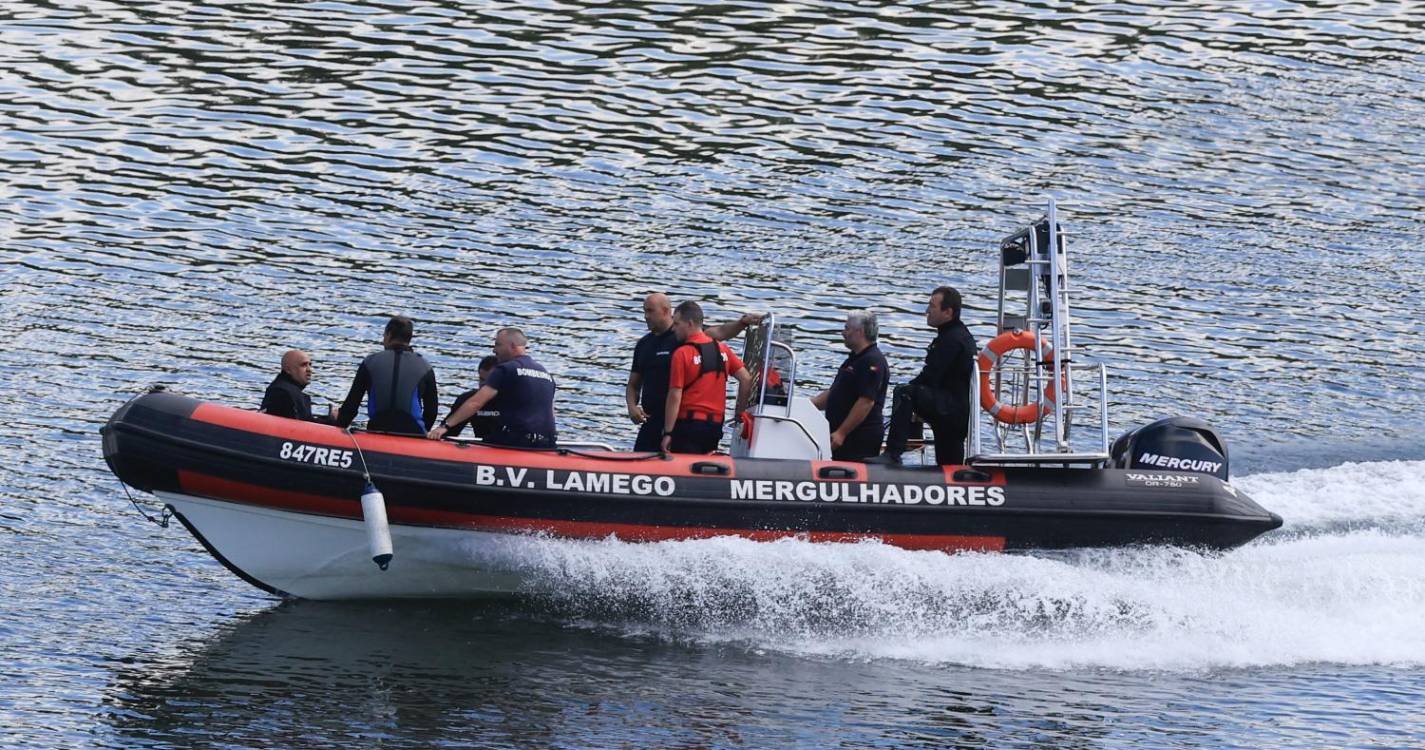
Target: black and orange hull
[241, 469]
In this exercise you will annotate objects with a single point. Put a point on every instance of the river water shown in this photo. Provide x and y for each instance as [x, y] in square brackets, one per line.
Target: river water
[191, 188]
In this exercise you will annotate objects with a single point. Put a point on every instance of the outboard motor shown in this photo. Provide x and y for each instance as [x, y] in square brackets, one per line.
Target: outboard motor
[1176, 444]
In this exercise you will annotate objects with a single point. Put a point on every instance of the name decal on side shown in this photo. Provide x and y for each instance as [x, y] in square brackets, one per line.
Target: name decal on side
[760, 490]
[1160, 480]
[311, 454]
[846, 492]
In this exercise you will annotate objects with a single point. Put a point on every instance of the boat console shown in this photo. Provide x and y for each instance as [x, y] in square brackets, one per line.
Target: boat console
[778, 421]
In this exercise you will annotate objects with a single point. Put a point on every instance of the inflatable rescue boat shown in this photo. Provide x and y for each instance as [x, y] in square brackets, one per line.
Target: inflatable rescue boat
[301, 509]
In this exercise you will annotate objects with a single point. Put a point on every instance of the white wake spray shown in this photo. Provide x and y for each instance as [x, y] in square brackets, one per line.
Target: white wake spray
[1350, 590]
[1388, 495]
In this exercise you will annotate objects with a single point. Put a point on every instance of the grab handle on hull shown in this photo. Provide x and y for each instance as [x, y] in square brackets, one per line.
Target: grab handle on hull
[711, 467]
[836, 472]
[970, 475]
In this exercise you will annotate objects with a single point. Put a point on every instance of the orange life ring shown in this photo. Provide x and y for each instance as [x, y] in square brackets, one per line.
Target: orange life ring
[999, 346]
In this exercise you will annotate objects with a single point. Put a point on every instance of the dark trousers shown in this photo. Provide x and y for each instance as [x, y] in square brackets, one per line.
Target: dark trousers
[859, 446]
[695, 436]
[650, 434]
[949, 433]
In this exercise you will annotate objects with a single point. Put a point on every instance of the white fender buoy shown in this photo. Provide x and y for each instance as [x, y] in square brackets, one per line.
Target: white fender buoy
[378, 533]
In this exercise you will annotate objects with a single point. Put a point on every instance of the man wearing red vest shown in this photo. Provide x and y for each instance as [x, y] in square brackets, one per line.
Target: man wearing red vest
[697, 385]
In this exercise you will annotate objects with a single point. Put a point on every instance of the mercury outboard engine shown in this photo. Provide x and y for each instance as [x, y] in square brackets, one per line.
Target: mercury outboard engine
[1175, 443]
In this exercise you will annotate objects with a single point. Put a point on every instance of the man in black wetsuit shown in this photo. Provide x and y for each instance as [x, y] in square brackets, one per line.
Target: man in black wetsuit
[857, 397]
[646, 393]
[483, 424]
[397, 383]
[286, 395]
[940, 394]
[520, 389]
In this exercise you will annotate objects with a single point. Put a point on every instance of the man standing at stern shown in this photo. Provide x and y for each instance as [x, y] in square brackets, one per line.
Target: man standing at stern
[697, 385]
[857, 396]
[940, 394]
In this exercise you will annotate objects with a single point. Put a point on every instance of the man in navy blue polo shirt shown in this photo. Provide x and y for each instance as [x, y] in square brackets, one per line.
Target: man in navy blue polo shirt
[647, 391]
[857, 397]
[520, 389]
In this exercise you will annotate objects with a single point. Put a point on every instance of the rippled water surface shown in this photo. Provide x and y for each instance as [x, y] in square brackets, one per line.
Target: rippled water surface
[192, 188]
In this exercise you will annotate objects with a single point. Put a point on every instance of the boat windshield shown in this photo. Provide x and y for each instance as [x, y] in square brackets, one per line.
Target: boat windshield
[771, 364]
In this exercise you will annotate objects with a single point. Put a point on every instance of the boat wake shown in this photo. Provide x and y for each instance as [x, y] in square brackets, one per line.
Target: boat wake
[1388, 496]
[1343, 582]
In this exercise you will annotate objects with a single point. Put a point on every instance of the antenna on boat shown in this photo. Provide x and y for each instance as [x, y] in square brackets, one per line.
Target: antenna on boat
[373, 514]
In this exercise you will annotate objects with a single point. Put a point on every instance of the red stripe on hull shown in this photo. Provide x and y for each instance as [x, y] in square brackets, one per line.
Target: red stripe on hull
[278, 427]
[204, 485]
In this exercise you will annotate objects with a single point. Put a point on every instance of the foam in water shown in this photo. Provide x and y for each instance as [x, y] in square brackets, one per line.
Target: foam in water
[1354, 595]
[1382, 494]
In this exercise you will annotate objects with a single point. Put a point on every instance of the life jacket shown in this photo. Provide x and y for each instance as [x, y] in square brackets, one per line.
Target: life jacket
[394, 402]
[711, 358]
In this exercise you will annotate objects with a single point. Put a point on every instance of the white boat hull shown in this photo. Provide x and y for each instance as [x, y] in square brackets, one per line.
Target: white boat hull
[319, 557]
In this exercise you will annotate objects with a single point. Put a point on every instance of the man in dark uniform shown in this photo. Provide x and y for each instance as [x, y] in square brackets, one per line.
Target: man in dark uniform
[483, 424]
[647, 389]
[857, 396]
[940, 394]
[286, 395]
[397, 383]
[520, 389]
[697, 385]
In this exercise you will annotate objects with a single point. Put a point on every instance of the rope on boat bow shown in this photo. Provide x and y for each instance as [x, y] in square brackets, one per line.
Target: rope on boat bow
[161, 521]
